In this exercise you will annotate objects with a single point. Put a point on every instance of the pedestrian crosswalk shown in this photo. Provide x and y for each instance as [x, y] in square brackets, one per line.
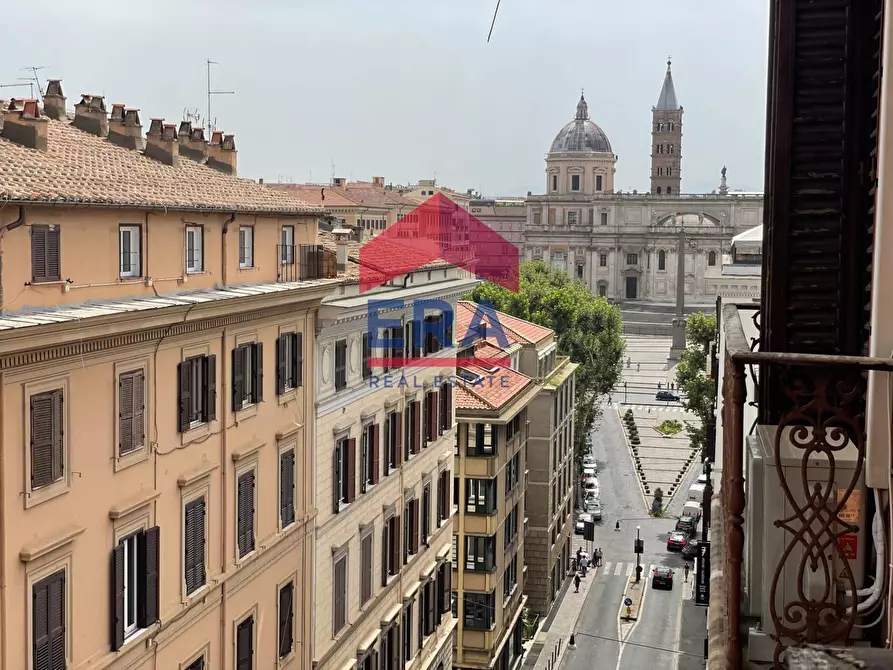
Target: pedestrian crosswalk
[644, 409]
[624, 569]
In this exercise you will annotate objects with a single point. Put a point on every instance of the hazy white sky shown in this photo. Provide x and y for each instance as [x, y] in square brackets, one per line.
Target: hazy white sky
[410, 88]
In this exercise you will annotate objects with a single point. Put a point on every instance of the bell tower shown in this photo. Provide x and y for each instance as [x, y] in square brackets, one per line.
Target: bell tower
[666, 140]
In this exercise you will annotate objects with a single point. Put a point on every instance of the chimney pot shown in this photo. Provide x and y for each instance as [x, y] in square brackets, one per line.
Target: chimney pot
[117, 112]
[90, 115]
[54, 100]
[155, 126]
[124, 127]
[169, 131]
[222, 152]
[338, 182]
[161, 143]
[185, 128]
[217, 137]
[192, 142]
[342, 237]
[378, 182]
[23, 124]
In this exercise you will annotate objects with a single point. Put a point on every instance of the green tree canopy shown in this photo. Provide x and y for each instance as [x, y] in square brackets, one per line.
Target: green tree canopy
[587, 328]
[693, 376]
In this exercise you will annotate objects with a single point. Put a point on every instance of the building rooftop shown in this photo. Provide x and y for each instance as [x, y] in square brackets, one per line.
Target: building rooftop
[494, 386]
[515, 329]
[667, 99]
[581, 135]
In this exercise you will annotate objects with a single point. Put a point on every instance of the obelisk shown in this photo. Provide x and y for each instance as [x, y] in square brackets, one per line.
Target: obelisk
[679, 320]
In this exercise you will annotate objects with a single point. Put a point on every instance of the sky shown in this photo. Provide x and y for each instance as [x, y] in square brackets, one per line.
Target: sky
[410, 89]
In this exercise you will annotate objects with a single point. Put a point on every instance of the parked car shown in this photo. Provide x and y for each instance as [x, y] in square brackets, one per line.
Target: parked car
[677, 541]
[593, 507]
[589, 462]
[696, 492]
[686, 524]
[666, 396]
[588, 473]
[581, 522]
[690, 550]
[692, 509]
[591, 487]
[702, 479]
[662, 578]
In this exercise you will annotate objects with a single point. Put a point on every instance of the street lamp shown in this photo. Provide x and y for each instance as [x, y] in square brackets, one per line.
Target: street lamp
[638, 549]
[705, 502]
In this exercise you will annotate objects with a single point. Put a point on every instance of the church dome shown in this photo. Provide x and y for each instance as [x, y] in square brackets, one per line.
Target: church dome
[581, 134]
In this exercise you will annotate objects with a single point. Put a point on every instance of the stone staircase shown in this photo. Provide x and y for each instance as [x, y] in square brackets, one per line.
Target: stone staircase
[642, 318]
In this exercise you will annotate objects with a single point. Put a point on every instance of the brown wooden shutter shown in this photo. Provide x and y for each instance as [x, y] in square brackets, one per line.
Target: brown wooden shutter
[281, 363]
[385, 553]
[287, 488]
[48, 622]
[148, 563]
[336, 479]
[416, 420]
[125, 413]
[286, 619]
[245, 645]
[351, 469]
[185, 396]
[139, 410]
[53, 264]
[42, 440]
[299, 360]
[211, 389]
[397, 433]
[238, 385]
[376, 456]
[447, 587]
[245, 509]
[39, 253]
[194, 561]
[431, 610]
[414, 524]
[398, 546]
[258, 352]
[58, 435]
[117, 589]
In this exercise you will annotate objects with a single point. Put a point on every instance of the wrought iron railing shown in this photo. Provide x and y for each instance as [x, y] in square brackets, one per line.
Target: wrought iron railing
[300, 262]
[824, 406]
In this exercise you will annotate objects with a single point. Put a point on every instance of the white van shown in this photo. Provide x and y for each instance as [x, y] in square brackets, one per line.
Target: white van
[692, 509]
[696, 492]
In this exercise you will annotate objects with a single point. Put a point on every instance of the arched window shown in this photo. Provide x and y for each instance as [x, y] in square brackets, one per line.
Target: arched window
[670, 126]
[669, 172]
[669, 190]
[658, 190]
[671, 149]
[660, 126]
[661, 255]
[711, 258]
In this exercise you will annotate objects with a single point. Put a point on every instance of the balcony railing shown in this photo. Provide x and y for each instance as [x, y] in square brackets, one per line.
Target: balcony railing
[818, 411]
[300, 262]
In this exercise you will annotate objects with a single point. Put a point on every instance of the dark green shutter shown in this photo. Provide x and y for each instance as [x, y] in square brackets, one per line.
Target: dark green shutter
[148, 563]
[184, 397]
[117, 590]
[281, 363]
[258, 352]
[238, 380]
[210, 388]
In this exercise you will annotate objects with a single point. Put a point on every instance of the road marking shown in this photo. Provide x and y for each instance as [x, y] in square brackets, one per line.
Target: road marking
[618, 569]
[606, 567]
[629, 570]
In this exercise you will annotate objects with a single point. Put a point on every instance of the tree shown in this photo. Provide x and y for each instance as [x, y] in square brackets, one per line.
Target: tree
[587, 328]
[693, 376]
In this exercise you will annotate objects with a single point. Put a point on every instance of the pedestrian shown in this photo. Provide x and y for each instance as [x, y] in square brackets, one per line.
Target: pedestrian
[579, 554]
[576, 583]
[584, 563]
[638, 367]
[574, 564]
[685, 571]
[598, 557]
[658, 386]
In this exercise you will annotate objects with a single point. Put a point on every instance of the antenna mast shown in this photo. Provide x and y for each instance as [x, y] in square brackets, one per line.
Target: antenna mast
[29, 84]
[33, 69]
[211, 124]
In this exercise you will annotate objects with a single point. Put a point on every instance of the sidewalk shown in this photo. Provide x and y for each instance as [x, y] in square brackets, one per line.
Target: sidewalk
[552, 644]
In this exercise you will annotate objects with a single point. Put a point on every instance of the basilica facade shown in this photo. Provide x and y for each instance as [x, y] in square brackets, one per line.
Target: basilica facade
[623, 245]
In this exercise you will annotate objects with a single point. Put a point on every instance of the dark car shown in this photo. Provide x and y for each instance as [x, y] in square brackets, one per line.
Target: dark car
[667, 396]
[662, 578]
[687, 525]
[676, 541]
[690, 550]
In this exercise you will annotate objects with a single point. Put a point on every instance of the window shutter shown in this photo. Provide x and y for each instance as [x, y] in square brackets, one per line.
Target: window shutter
[398, 560]
[53, 269]
[286, 619]
[41, 440]
[414, 525]
[385, 553]
[38, 253]
[117, 597]
[426, 420]
[48, 621]
[449, 405]
[195, 545]
[211, 389]
[376, 456]
[416, 419]
[281, 363]
[336, 479]
[479, 438]
[299, 360]
[238, 380]
[258, 351]
[430, 614]
[58, 436]
[148, 563]
[246, 513]
[244, 644]
[185, 396]
[447, 587]
[351, 469]
[397, 432]
[125, 413]
[139, 410]
[287, 488]
[395, 650]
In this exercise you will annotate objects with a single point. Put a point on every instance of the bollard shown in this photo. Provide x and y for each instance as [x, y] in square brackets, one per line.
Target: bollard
[617, 525]
[572, 644]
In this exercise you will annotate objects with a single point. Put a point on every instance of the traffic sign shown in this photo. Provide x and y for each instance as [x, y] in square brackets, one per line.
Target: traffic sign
[628, 602]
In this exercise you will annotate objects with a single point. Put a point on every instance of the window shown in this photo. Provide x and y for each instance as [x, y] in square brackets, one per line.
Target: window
[479, 610]
[339, 594]
[131, 411]
[411, 339]
[407, 633]
[434, 333]
[394, 438]
[446, 407]
[47, 438]
[480, 496]
[480, 553]
[579, 271]
[552, 214]
[598, 182]
[289, 362]
[426, 514]
[48, 622]
[135, 565]
[512, 473]
[537, 218]
[658, 188]
[603, 218]
[511, 525]
[286, 619]
[390, 549]
[411, 528]
[344, 473]
[554, 182]
[198, 391]
[484, 440]
[572, 218]
[669, 174]
[658, 148]
[287, 488]
[661, 260]
[711, 258]
[248, 375]
[367, 354]
[632, 259]
[670, 126]
[245, 505]
[245, 644]
[195, 249]
[669, 190]
[129, 251]
[246, 247]
[510, 578]
[340, 364]
[370, 465]
[443, 497]
[194, 545]
[366, 563]
[390, 648]
[603, 260]
[670, 149]
[287, 247]
[660, 172]
[412, 422]
[575, 182]
[45, 252]
[444, 588]
[431, 419]
[602, 290]
[429, 614]
[197, 664]
[660, 126]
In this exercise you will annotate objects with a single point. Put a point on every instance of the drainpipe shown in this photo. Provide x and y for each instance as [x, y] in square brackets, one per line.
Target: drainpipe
[10, 226]
[226, 223]
[223, 474]
[146, 274]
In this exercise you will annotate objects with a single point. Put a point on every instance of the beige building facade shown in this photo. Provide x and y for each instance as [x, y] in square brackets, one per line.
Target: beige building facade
[157, 479]
[739, 278]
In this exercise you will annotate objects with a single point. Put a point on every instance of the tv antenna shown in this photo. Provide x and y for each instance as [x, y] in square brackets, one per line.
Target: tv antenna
[30, 84]
[34, 69]
[211, 124]
[493, 22]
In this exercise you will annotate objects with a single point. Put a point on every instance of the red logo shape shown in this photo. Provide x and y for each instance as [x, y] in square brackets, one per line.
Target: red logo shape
[439, 229]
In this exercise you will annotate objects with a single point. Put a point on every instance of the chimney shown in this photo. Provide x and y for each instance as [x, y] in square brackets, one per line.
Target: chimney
[161, 143]
[90, 115]
[23, 124]
[222, 152]
[378, 182]
[125, 129]
[342, 236]
[192, 142]
[54, 101]
[338, 182]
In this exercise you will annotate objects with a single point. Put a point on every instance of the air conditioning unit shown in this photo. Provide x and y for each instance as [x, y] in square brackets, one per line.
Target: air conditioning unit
[765, 542]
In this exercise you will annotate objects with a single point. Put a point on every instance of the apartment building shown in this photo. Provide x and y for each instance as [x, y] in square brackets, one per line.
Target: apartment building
[385, 435]
[157, 468]
[489, 561]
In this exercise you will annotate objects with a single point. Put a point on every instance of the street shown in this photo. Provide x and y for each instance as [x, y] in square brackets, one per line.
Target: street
[648, 367]
[654, 641]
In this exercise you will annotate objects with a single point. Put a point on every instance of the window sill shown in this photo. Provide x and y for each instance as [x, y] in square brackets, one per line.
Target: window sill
[194, 273]
[248, 268]
[35, 497]
[46, 282]
[198, 594]
[195, 431]
[288, 395]
[133, 457]
[245, 412]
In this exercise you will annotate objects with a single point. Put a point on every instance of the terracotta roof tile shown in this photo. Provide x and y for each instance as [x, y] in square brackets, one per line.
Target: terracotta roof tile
[78, 167]
[334, 197]
[525, 330]
[464, 312]
[495, 387]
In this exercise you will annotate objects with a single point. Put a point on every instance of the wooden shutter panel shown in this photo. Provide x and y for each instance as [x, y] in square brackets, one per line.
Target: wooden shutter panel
[148, 563]
[41, 440]
[48, 621]
[351, 469]
[117, 592]
[397, 432]
[430, 613]
[286, 618]
[258, 352]
[125, 413]
[281, 363]
[38, 252]
[245, 644]
[139, 410]
[58, 436]
[238, 380]
[416, 420]
[376, 456]
[53, 265]
[287, 488]
[385, 553]
[211, 389]
[185, 396]
[414, 525]
[299, 360]
[447, 587]
[336, 479]
[246, 513]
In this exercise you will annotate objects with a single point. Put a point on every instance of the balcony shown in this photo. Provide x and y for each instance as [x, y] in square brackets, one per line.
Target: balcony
[301, 262]
[791, 513]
